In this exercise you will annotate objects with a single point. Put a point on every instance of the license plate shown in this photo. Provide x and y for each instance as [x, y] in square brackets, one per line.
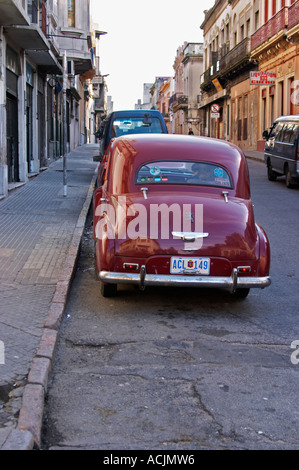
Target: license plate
[189, 265]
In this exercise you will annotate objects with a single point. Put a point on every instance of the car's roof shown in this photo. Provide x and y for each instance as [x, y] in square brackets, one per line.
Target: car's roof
[173, 146]
[292, 117]
[134, 150]
[134, 112]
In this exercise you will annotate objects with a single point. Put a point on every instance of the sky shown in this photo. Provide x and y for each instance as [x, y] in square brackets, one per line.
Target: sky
[142, 40]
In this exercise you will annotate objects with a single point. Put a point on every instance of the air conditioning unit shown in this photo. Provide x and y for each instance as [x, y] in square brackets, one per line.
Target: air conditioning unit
[70, 67]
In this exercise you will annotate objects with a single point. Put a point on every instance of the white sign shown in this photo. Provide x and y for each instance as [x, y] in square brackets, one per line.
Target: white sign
[262, 78]
[215, 115]
[215, 108]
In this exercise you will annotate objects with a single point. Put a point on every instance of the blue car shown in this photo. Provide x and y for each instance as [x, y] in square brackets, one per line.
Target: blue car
[122, 123]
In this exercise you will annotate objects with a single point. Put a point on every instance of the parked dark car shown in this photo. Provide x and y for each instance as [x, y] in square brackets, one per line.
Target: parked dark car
[172, 210]
[282, 149]
[136, 121]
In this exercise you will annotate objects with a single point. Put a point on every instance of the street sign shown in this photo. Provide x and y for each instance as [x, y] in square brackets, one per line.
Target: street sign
[215, 108]
[215, 115]
[262, 78]
[217, 84]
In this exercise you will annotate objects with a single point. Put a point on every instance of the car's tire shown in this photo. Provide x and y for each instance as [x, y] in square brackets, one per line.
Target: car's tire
[108, 290]
[241, 293]
[271, 174]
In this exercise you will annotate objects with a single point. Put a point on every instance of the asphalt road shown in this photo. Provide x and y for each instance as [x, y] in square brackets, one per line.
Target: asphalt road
[181, 369]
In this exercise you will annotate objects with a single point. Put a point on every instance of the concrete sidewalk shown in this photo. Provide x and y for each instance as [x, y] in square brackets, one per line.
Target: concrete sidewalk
[40, 235]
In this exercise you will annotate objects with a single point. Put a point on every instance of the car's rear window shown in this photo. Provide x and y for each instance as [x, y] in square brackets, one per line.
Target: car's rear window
[134, 125]
[183, 172]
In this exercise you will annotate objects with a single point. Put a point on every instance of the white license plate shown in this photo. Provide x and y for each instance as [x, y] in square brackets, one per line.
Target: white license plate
[186, 265]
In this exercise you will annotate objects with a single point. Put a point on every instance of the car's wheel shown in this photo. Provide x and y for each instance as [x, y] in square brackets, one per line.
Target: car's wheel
[271, 174]
[108, 290]
[241, 293]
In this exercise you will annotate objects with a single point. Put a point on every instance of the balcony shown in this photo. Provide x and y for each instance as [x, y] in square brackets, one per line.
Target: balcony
[27, 37]
[77, 44]
[173, 100]
[274, 25]
[193, 49]
[293, 15]
[37, 47]
[183, 102]
[226, 66]
[46, 61]
[13, 12]
[236, 57]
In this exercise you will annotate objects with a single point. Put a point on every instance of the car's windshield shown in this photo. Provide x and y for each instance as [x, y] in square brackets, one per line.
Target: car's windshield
[134, 125]
[183, 172]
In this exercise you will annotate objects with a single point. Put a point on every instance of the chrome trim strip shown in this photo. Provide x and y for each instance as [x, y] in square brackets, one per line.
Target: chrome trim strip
[281, 157]
[233, 282]
[189, 236]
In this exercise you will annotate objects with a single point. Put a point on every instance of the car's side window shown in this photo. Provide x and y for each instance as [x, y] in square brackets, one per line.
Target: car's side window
[287, 132]
[273, 131]
[278, 132]
[294, 133]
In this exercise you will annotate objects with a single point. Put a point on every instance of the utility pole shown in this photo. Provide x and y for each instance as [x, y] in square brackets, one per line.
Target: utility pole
[64, 125]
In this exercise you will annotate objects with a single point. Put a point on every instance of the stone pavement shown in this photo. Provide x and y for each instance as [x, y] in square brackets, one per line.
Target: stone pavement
[40, 234]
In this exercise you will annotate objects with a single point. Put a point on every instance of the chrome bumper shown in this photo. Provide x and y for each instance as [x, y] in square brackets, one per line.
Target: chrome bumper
[143, 280]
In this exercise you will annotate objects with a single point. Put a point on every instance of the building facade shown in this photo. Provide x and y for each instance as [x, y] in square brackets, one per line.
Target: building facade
[45, 59]
[193, 68]
[176, 105]
[275, 46]
[183, 104]
[241, 40]
[164, 94]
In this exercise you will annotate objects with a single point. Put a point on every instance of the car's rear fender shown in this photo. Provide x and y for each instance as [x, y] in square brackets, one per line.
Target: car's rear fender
[264, 252]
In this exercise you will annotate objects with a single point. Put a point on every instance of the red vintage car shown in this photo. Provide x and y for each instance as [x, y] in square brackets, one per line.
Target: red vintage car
[175, 210]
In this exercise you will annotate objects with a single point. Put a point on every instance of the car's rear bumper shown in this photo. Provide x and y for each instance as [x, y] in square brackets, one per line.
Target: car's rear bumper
[143, 280]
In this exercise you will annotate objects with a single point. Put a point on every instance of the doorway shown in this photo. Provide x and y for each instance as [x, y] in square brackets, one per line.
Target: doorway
[12, 138]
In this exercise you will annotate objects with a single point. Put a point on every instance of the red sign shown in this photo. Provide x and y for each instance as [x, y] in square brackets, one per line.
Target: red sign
[215, 108]
[262, 78]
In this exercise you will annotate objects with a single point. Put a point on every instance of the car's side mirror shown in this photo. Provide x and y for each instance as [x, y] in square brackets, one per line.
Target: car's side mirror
[265, 135]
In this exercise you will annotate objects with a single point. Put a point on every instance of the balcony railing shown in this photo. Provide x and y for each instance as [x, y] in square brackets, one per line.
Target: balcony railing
[194, 49]
[174, 98]
[273, 26]
[293, 15]
[183, 101]
[237, 56]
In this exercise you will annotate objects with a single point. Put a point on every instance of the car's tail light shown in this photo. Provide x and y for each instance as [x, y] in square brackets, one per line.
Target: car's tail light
[244, 269]
[131, 266]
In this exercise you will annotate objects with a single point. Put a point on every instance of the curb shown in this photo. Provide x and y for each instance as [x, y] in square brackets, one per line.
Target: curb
[27, 435]
[255, 158]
